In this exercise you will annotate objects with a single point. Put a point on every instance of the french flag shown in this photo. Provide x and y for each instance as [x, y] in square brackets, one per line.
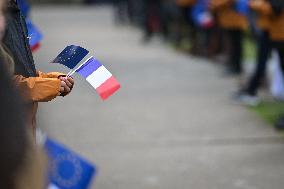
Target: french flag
[35, 36]
[99, 77]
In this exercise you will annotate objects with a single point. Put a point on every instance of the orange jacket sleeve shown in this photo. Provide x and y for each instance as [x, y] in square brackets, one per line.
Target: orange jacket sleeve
[53, 75]
[185, 3]
[219, 4]
[50, 74]
[261, 6]
[38, 89]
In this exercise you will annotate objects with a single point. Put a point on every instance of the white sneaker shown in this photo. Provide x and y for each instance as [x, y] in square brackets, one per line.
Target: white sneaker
[248, 100]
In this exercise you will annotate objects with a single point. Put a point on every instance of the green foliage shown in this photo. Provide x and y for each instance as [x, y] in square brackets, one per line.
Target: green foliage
[270, 111]
[249, 48]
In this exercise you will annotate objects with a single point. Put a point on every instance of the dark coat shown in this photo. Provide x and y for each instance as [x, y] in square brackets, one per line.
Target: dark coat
[17, 42]
[277, 6]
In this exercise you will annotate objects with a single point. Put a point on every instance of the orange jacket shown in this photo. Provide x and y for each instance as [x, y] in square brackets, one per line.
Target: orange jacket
[185, 3]
[277, 27]
[276, 22]
[43, 88]
[227, 17]
[263, 21]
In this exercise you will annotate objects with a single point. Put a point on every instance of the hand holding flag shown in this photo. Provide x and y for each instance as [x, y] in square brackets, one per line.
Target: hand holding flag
[92, 70]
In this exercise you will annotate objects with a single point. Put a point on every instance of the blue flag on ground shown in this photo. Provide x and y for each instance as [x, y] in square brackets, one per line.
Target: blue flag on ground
[242, 7]
[24, 7]
[34, 34]
[71, 56]
[67, 170]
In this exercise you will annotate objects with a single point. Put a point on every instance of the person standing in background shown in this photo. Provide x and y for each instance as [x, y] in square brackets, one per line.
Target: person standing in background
[233, 24]
[121, 11]
[276, 30]
[248, 95]
[152, 18]
[185, 7]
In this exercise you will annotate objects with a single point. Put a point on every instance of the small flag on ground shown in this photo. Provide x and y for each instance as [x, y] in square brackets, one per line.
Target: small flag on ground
[71, 56]
[34, 34]
[67, 170]
[99, 77]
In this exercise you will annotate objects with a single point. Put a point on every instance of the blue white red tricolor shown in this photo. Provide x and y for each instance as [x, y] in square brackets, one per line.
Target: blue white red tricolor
[99, 77]
[35, 36]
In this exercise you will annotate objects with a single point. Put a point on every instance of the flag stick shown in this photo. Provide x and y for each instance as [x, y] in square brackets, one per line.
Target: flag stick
[74, 70]
[69, 73]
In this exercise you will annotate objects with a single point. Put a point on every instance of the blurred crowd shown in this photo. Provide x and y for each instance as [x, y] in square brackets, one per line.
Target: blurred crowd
[206, 28]
[217, 30]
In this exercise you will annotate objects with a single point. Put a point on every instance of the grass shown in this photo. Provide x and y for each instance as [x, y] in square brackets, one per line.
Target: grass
[270, 111]
[249, 48]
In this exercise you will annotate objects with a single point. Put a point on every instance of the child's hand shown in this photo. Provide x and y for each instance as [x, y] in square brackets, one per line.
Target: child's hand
[68, 80]
[67, 84]
[64, 88]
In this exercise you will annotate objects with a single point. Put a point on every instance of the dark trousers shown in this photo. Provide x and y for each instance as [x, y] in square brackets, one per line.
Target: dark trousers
[235, 39]
[280, 51]
[263, 52]
[152, 17]
[279, 47]
[120, 10]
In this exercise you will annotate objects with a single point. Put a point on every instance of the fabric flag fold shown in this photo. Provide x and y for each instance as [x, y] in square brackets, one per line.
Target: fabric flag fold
[35, 35]
[67, 170]
[201, 15]
[71, 56]
[99, 77]
[24, 7]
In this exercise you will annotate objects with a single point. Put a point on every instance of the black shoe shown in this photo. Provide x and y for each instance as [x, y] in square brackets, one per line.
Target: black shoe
[280, 123]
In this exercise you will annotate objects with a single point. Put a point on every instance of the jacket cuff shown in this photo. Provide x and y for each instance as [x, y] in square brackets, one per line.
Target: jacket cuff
[51, 74]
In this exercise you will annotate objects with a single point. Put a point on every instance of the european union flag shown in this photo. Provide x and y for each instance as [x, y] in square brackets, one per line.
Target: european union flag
[71, 56]
[67, 170]
[34, 34]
